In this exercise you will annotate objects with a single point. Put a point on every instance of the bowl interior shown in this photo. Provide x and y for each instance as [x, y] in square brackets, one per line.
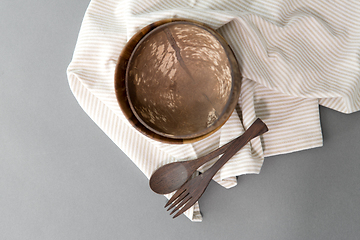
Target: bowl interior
[177, 81]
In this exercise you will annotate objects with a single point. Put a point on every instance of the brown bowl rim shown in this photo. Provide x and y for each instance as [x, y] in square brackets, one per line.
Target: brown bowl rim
[127, 108]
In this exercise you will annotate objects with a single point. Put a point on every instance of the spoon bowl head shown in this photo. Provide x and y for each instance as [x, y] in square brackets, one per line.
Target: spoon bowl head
[162, 181]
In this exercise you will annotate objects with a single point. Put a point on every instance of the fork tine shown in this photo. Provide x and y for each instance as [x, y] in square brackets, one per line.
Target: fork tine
[176, 195]
[191, 202]
[179, 199]
[182, 203]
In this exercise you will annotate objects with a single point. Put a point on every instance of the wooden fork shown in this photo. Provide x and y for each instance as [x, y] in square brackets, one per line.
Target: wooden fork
[192, 189]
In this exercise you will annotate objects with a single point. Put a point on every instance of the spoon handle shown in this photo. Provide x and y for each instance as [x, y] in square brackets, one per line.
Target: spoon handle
[256, 129]
[202, 160]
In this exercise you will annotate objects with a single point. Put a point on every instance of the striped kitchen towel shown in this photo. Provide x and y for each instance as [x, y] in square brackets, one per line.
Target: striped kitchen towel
[294, 55]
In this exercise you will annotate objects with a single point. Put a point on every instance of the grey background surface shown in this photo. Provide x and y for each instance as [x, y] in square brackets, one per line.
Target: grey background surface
[62, 178]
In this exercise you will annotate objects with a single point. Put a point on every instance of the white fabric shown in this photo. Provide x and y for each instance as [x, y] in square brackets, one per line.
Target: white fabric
[294, 56]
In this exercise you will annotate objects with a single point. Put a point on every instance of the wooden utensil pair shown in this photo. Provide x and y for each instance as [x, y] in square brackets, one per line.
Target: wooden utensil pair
[177, 175]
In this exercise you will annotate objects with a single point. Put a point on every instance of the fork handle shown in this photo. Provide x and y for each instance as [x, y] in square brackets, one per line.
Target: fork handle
[195, 164]
[256, 129]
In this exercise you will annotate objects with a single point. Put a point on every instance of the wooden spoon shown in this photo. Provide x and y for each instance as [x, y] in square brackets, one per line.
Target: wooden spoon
[172, 176]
